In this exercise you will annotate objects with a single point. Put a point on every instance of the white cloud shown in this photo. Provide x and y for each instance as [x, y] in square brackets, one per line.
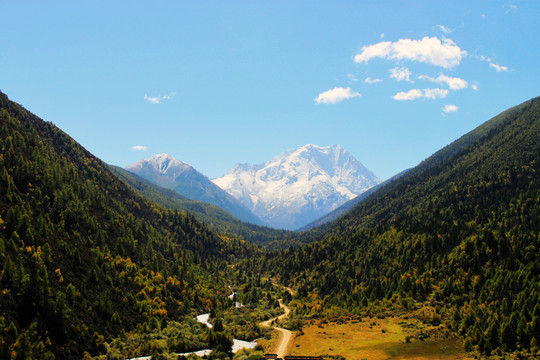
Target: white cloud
[454, 83]
[510, 7]
[153, 100]
[444, 29]
[158, 99]
[352, 77]
[435, 93]
[428, 50]
[401, 74]
[139, 148]
[419, 94]
[474, 87]
[499, 68]
[409, 95]
[482, 57]
[369, 80]
[450, 108]
[336, 95]
[382, 36]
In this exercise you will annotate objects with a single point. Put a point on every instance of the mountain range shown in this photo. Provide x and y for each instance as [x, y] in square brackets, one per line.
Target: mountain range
[299, 185]
[92, 268]
[170, 173]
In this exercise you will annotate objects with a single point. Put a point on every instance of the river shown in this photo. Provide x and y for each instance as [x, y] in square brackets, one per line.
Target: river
[282, 343]
[237, 344]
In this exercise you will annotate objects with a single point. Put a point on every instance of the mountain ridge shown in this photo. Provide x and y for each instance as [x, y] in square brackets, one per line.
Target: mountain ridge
[168, 172]
[335, 214]
[218, 219]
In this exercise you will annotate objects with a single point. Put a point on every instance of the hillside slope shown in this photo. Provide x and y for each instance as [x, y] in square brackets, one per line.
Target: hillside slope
[170, 173]
[85, 258]
[331, 216]
[461, 230]
[212, 215]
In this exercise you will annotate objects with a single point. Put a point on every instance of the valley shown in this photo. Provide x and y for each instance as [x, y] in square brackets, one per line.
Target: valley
[440, 262]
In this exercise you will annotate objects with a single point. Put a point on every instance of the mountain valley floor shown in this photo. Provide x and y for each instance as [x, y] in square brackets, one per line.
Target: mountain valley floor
[374, 338]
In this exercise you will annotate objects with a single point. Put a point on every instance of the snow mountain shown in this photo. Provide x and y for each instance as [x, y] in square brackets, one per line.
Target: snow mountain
[298, 186]
[170, 173]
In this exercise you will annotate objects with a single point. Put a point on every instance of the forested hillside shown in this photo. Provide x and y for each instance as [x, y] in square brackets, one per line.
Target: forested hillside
[212, 215]
[83, 257]
[461, 231]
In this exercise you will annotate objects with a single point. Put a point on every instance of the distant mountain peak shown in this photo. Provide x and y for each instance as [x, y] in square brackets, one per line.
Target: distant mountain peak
[166, 171]
[299, 185]
[162, 163]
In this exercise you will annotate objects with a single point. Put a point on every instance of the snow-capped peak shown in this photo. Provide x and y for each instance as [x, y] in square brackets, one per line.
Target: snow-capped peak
[162, 163]
[299, 185]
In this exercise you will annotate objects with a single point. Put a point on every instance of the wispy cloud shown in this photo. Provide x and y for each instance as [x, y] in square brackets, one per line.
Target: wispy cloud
[153, 100]
[421, 94]
[400, 74]
[158, 99]
[450, 108]
[499, 68]
[444, 29]
[139, 148]
[482, 57]
[454, 83]
[336, 95]
[369, 80]
[432, 51]
[474, 87]
[352, 77]
[510, 7]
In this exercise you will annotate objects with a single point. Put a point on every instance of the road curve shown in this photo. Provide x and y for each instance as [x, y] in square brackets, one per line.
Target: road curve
[285, 337]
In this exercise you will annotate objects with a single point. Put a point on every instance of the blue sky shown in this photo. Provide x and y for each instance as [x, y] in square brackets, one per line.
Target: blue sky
[215, 83]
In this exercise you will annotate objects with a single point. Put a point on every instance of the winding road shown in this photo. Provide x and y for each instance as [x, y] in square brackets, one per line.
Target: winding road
[285, 337]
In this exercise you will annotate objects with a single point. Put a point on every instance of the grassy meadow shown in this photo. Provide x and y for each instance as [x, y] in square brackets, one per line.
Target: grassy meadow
[374, 338]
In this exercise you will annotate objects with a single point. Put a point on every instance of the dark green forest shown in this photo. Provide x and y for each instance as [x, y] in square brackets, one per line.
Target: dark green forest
[83, 257]
[461, 231]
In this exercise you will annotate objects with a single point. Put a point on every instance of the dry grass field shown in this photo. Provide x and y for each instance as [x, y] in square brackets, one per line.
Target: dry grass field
[373, 338]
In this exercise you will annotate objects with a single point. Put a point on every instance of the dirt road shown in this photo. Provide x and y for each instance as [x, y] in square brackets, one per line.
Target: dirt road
[283, 342]
[285, 337]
